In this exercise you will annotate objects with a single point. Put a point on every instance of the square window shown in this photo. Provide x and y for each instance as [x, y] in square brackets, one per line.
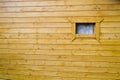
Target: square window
[85, 28]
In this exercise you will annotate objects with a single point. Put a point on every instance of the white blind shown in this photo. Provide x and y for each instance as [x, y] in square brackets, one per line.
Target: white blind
[85, 28]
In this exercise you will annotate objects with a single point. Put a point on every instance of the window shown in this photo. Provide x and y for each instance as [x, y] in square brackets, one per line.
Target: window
[85, 28]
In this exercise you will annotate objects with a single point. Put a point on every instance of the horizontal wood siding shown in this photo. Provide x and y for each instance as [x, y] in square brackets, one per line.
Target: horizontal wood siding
[36, 40]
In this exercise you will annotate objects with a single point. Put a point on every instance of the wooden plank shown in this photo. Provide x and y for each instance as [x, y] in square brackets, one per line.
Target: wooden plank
[97, 31]
[80, 47]
[108, 19]
[19, 41]
[77, 2]
[64, 74]
[35, 30]
[34, 25]
[110, 30]
[17, 36]
[60, 8]
[18, 30]
[105, 36]
[63, 68]
[34, 36]
[41, 3]
[54, 19]
[54, 36]
[18, 77]
[59, 47]
[59, 52]
[38, 77]
[112, 19]
[35, 19]
[58, 41]
[110, 24]
[24, 62]
[110, 42]
[42, 40]
[110, 36]
[61, 14]
[46, 41]
[82, 58]
[66, 41]
[56, 2]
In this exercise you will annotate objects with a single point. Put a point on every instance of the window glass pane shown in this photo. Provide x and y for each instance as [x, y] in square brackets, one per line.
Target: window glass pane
[85, 28]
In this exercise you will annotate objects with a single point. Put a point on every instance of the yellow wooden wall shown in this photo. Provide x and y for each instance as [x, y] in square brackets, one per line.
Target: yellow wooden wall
[35, 40]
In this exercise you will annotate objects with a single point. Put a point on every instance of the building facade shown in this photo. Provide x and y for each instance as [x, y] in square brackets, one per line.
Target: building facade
[59, 39]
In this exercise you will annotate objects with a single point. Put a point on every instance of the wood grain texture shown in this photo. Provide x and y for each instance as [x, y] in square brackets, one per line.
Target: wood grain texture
[61, 8]
[61, 14]
[36, 40]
